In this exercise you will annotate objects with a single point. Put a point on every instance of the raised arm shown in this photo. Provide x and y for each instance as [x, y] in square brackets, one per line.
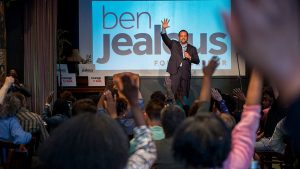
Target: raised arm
[203, 102]
[7, 84]
[195, 57]
[244, 134]
[208, 71]
[165, 38]
[145, 153]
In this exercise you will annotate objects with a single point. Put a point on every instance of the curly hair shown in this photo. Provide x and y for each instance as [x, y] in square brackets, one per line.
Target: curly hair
[10, 106]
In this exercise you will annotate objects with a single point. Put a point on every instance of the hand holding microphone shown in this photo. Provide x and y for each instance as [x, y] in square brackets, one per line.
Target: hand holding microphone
[187, 56]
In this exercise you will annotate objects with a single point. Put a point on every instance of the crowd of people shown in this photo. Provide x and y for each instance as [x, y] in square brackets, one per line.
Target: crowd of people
[119, 130]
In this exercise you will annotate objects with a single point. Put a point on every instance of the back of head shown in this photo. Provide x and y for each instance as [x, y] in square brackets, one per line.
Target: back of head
[21, 97]
[67, 95]
[171, 117]
[159, 96]
[153, 110]
[61, 107]
[202, 141]
[84, 106]
[10, 106]
[89, 141]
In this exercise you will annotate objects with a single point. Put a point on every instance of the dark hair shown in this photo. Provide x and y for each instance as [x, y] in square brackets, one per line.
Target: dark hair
[153, 109]
[158, 95]
[268, 91]
[21, 97]
[91, 141]
[84, 106]
[67, 95]
[61, 107]
[171, 118]
[10, 106]
[121, 106]
[202, 141]
[183, 31]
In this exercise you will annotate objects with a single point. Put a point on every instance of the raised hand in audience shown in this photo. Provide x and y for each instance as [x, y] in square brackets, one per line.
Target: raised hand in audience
[130, 90]
[216, 95]
[205, 91]
[50, 98]
[237, 93]
[255, 89]
[111, 104]
[208, 71]
[266, 32]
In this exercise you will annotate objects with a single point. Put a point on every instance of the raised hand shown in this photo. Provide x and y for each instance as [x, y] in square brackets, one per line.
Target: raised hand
[9, 80]
[165, 23]
[216, 95]
[111, 104]
[267, 34]
[50, 97]
[237, 93]
[130, 90]
[129, 87]
[208, 70]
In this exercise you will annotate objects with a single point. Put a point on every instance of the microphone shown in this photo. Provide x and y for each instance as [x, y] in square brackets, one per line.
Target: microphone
[184, 48]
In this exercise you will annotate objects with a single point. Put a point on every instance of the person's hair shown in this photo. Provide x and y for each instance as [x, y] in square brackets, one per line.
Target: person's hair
[183, 31]
[202, 141]
[153, 109]
[268, 91]
[61, 107]
[67, 95]
[84, 106]
[86, 141]
[159, 96]
[95, 98]
[171, 117]
[121, 106]
[10, 106]
[21, 97]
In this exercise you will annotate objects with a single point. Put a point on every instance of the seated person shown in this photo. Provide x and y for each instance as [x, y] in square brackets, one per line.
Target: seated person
[11, 130]
[153, 111]
[60, 113]
[30, 122]
[171, 117]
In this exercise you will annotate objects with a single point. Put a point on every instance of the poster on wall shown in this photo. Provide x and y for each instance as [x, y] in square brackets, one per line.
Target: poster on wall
[96, 80]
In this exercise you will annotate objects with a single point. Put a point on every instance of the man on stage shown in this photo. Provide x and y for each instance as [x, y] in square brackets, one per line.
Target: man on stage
[182, 56]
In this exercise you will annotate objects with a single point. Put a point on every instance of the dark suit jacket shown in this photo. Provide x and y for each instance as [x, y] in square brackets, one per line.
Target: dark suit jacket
[177, 56]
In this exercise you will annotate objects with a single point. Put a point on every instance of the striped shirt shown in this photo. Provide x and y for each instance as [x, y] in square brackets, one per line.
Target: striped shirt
[33, 123]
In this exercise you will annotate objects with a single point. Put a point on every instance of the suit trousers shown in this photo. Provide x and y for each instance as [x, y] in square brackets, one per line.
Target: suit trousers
[180, 83]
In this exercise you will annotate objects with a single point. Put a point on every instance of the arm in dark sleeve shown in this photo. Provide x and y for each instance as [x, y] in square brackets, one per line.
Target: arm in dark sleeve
[195, 57]
[25, 91]
[51, 121]
[166, 40]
